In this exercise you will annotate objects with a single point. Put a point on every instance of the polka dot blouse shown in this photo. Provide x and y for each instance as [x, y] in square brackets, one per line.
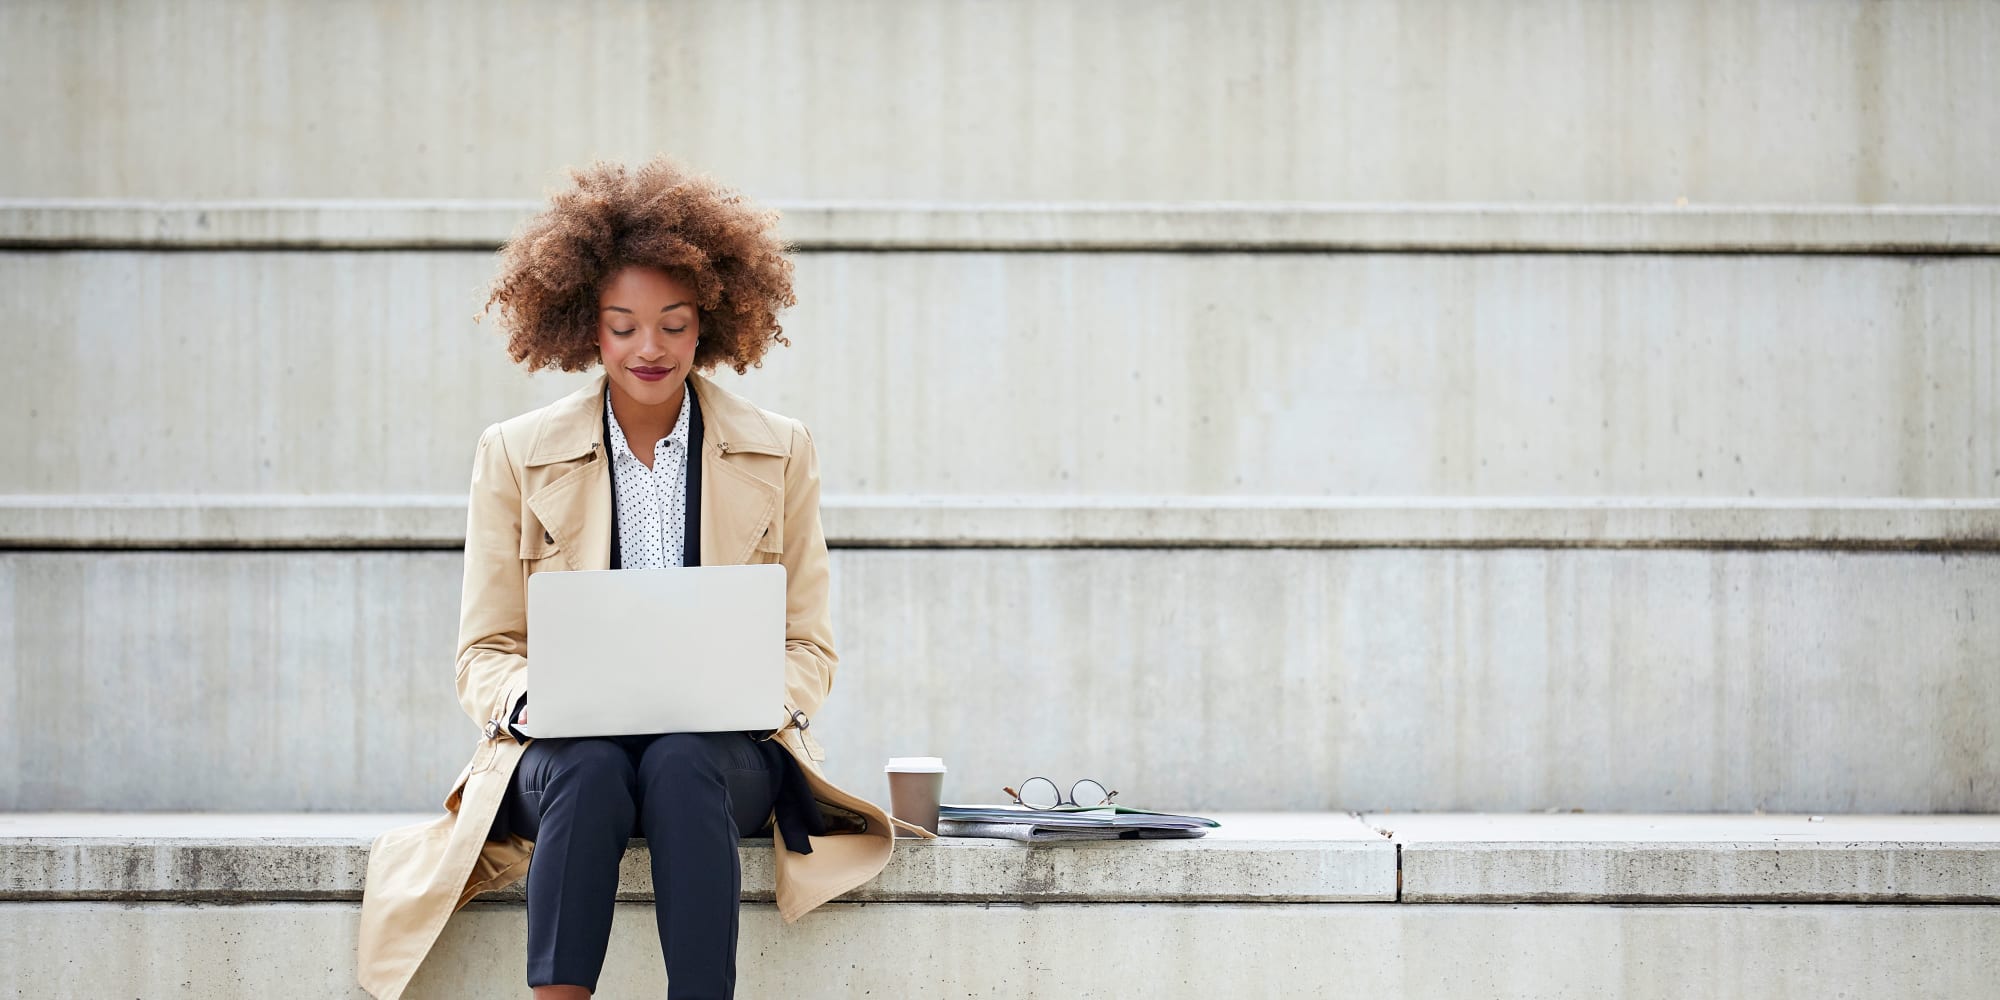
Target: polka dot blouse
[652, 502]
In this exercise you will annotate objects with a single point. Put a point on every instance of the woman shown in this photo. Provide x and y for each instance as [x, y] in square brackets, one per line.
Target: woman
[656, 274]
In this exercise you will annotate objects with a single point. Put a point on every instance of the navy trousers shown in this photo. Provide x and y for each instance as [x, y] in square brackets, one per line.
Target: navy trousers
[691, 795]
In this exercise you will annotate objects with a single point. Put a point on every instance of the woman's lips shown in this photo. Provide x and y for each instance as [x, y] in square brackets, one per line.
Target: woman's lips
[651, 374]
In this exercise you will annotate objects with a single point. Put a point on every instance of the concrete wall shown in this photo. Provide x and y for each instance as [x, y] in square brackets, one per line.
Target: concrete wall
[1417, 333]
[1091, 373]
[1210, 679]
[1390, 100]
[1428, 952]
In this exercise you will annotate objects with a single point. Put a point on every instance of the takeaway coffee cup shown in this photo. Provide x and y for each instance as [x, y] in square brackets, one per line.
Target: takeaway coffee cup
[916, 786]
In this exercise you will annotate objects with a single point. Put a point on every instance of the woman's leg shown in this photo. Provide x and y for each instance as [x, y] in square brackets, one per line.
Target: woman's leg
[573, 798]
[699, 793]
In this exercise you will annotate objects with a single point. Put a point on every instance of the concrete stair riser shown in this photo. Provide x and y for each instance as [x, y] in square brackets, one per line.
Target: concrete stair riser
[1388, 100]
[1074, 374]
[1369, 678]
[1429, 952]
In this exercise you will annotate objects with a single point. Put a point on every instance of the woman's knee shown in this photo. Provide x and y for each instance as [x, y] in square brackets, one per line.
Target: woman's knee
[679, 756]
[593, 769]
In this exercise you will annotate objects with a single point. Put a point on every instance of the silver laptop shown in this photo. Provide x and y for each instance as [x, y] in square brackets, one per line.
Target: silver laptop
[684, 650]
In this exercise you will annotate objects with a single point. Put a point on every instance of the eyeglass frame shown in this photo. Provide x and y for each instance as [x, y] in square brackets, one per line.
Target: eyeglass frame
[1110, 796]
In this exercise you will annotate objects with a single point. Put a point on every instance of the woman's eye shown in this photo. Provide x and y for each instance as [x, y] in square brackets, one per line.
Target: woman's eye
[677, 329]
[621, 333]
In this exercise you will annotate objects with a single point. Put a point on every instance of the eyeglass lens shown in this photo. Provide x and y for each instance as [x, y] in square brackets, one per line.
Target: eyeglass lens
[1040, 793]
[1087, 792]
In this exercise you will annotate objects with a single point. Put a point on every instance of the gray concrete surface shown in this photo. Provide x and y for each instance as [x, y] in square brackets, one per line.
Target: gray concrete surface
[463, 224]
[209, 858]
[1436, 952]
[1691, 858]
[1380, 101]
[1252, 857]
[1375, 375]
[244, 521]
[1207, 679]
[1418, 829]
[40, 521]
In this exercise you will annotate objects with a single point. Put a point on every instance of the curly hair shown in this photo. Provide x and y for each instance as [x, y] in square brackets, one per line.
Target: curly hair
[661, 215]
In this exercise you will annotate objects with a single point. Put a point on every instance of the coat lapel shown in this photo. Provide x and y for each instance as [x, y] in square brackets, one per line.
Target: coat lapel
[570, 462]
[741, 468]
[738, 504]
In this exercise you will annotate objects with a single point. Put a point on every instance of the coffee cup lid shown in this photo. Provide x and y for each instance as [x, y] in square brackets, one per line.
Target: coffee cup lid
[918, 765]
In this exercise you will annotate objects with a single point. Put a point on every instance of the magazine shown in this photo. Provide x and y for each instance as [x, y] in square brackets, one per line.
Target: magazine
[1111, 822]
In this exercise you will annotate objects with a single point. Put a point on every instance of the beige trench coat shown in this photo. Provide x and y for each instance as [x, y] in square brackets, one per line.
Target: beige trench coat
[541, 501]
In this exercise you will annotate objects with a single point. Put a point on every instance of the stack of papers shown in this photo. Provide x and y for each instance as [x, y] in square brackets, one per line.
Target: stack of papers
[1068, 823]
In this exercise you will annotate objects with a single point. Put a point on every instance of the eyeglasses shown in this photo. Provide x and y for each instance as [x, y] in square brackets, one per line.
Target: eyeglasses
[1041, 793]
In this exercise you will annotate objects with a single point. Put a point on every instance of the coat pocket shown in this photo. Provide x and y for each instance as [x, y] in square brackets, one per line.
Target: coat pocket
[770, 546]
[536, 542]
[482, 757]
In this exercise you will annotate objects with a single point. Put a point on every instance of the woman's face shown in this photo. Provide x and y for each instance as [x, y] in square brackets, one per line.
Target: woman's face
[647, 329]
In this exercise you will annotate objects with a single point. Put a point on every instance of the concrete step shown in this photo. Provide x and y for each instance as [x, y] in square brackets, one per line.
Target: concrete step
[1385, 100]
[224, 906]
[1049, 226]
[1297, 857]
[1370, 374]
[268, 857]
[1426, 678]
[265, 522]
[1613, 858]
